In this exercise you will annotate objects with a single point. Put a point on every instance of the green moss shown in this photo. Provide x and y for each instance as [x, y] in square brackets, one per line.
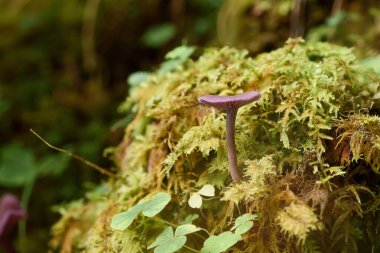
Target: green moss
[360, 134]
[305, 191]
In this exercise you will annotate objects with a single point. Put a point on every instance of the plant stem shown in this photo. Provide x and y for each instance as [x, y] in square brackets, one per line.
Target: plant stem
[76, 157]
[189, 248]
[27, 192]
[230, 143]
[165, 221]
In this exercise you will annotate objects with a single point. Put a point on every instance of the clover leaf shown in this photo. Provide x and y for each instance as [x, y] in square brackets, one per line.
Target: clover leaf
[168, 242]
[207, 190]
[156, 204]
[186, 229]
[121, 221]
[243, 223]
[175, 58]
[182, 52]
[220, 243]
[136, 78]
[149, 207]
[195, 200]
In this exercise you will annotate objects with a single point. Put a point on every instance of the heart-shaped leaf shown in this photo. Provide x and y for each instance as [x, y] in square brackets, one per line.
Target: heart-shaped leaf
[244, 223]
[171, 245]
[149, 208]
[138, 77]
[220, 243]
[167, 234]
[156, 204]
[195, 200]
[182, 52]
[186, 229]
[207, 190]
[121, 221]
[166, 242]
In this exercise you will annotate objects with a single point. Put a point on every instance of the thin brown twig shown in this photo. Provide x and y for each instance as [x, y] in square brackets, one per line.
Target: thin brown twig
[76, 157]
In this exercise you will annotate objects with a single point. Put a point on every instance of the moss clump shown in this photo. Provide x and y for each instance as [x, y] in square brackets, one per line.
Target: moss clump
[309, 176]
[359, 140]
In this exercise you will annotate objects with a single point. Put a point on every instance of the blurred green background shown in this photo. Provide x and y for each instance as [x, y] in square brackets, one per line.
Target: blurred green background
[63, 71]
[64, 66]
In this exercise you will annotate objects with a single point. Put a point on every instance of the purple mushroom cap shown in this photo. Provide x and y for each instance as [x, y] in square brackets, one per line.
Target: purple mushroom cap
[10, 213]
[230, 102]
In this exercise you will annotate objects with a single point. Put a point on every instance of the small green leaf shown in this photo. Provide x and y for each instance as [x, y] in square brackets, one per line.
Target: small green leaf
[372, 62]
[186, 229]
[244, 227]
[149, 207]
[158, 35]
[169, 65]
[156, 204]
[207, 190]
[220, 243]
[244, 223]
[181, 52]
[195, 200]
[175, 58]
[167, 243]
[122, 220]
[17, 166]
[138, 77]
[171, 245]
[190, 218]
[167, 234]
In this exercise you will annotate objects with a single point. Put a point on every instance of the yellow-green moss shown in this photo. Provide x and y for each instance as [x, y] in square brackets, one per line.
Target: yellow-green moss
[285, 144]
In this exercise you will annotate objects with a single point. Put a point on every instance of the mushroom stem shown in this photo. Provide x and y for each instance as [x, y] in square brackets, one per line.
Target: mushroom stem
[231, 105]
[230, 143]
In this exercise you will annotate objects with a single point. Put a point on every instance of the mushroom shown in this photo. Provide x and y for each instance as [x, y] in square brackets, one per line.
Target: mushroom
[231, 105]
[10, 214]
